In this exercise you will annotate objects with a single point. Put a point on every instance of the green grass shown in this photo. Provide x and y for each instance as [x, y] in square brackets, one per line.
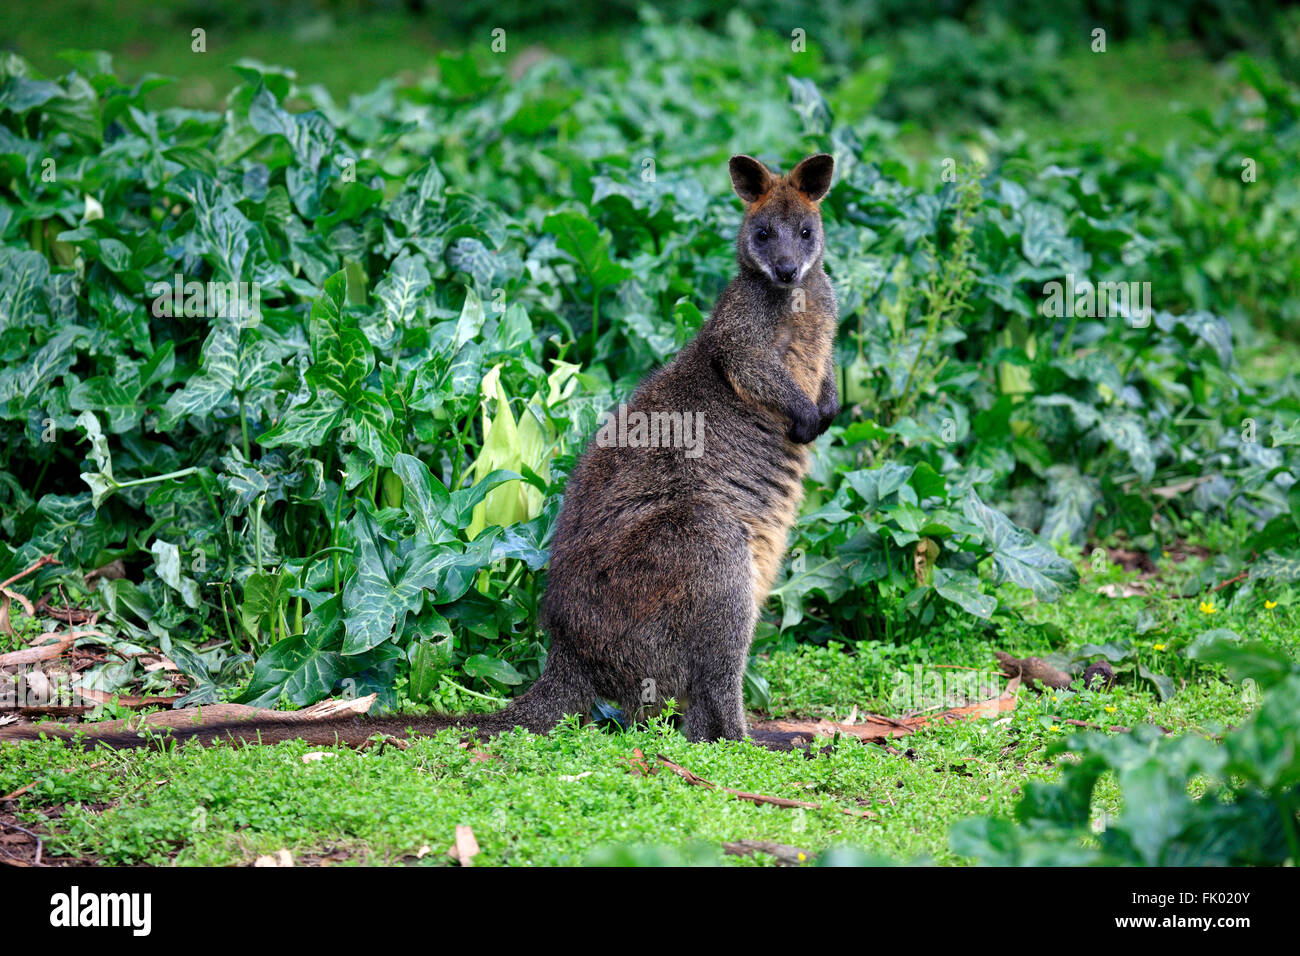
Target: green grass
[570, 797]
[1144, 88]
[345, 55]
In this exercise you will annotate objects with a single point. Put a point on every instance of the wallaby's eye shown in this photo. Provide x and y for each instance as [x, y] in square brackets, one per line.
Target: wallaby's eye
[761, 235]
[807, 233]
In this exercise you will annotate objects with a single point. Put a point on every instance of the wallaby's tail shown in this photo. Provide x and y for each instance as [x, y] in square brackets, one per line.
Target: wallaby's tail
[562, 689]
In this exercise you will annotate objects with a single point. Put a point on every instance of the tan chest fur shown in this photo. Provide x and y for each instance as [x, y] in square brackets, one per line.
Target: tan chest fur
[804, 343]
[768, 534]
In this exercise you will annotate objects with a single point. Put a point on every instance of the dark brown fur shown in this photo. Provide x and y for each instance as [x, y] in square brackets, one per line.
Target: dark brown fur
[661, 561]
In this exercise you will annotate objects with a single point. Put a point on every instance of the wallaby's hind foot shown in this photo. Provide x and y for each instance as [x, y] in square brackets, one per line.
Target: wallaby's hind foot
[710, 720]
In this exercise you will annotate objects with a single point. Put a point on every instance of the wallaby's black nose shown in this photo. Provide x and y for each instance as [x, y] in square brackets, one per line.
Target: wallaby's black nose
[785, 271]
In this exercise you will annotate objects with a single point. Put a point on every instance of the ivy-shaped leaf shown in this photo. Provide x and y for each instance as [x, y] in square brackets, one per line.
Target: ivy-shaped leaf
[1017, 556]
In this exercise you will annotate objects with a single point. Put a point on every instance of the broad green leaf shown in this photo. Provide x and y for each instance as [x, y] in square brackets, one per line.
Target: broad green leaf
[214, 386]
[471, 319]
[429, 660]
[492, 668]
[1128, 434]
[167, 565]
[306, 425]
[401, 288]
[1017, 556]
[817, 575]
[578, 236]
[1074, 497]
[1251, 660]
[1277, 567]
[264, 595]
[963, 589]
[758, 692]
[305, 667]
[427, 500]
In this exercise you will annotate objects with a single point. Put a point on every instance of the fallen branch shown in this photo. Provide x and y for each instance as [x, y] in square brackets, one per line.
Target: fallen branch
[39, 563]
[9, 595]
[67, 614]
[874, 727]
[45, 711]
[1223, 584]
[758, 798]
[45, 652]
[1087, 726]
[14, 596]
[637, 765]
[208, 714]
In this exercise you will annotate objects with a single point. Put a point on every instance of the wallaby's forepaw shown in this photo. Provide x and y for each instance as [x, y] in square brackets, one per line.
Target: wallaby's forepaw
[827, 410]
[805, 425]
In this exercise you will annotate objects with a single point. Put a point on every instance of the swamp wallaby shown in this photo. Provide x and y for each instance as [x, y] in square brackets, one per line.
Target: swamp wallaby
[675, 517]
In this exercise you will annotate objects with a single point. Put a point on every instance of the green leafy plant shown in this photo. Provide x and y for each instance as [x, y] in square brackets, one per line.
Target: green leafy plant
[1246, 814]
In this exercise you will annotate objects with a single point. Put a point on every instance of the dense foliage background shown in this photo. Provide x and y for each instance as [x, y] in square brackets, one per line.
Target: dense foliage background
[352, 491]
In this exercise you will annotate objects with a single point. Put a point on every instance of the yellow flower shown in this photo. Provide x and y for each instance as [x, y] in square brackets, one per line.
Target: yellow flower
[1110, 710]
[1207, 607]
[1270, 605]
[1157, 647]
[802, 857]
[1056, 728]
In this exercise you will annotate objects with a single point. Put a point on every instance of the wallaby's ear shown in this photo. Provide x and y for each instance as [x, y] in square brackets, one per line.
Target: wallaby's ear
[750, 178]
[812, 176]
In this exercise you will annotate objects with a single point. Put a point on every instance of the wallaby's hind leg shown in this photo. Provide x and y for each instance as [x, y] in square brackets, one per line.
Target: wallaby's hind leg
[717, 710]
[664, 609]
